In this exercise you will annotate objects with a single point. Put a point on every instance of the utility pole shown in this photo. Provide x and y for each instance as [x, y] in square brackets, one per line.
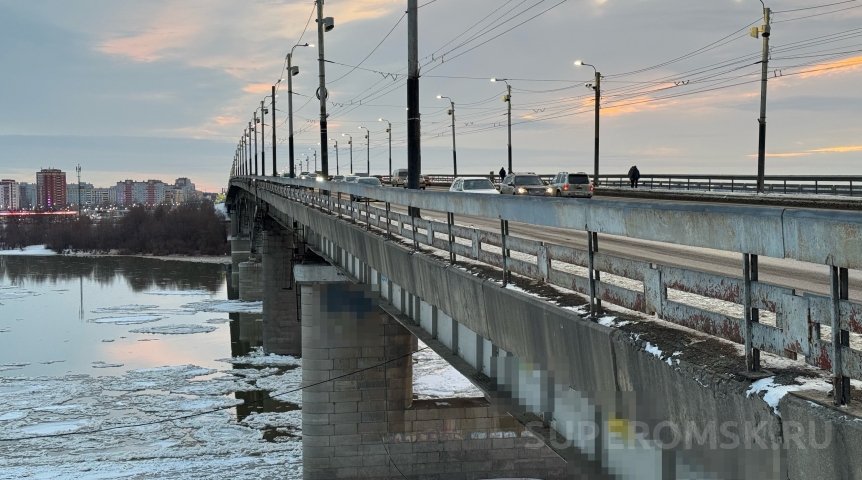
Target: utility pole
[336, 155]
[263, 138]
[596, 145]
[454, 157]
[350, 142]
[273, 128]
[254, 129]
[389, 131]
[414, 148]
[509, 113]
[598, 89]
[323, 25]
[368, 155]
[78, 169]
[764, 31]
[291, 71]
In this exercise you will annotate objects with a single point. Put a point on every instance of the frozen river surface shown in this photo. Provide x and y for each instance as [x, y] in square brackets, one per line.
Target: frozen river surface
[138, 369]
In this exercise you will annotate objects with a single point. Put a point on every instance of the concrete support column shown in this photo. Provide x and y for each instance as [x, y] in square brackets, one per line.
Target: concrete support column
[350, 419]
[281, 326]
[240, 249]
[250, 281]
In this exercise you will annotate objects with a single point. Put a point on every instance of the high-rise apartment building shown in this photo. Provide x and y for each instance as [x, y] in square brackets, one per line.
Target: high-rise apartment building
[9, 195]
[151, 192]
[50, 188]
[27, 195]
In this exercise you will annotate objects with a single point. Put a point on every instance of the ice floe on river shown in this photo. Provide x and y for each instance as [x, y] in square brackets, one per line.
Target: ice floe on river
[175, 329]
[226, 306]
[129, 320]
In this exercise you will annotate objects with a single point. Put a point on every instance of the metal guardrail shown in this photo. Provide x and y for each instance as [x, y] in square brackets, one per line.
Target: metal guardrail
[844, 185]
[820, 237]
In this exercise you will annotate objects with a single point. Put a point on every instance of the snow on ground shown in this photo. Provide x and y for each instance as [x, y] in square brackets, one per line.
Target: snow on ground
[182, 329]
[433, 377]
[226, 306]
[129, 320]
[33, 250]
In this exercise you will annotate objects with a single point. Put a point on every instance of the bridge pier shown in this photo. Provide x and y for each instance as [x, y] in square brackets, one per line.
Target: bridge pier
[281, 323]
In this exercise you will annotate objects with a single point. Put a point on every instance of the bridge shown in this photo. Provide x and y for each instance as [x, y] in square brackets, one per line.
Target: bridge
[612, 338]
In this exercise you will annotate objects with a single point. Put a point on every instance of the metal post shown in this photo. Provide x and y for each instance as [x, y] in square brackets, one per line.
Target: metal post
[504, 230]
[322, 94]
[388, 224]
[596, 147]
[750, 315]
[273, 136]
[263, 140]
[414, 149]
[450, 219]
[597, 274]
[389, 131]
[509, 114]
[454, 155]
[764, 66]
[837, 341]
[336, 157]
[254, 129]
[591, 266]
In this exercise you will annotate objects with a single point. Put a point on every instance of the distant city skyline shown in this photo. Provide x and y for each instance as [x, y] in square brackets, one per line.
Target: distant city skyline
[164, 90]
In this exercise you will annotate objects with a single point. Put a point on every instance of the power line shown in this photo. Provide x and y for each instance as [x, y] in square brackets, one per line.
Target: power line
[372, 51]
[810, 8]
[816, 14]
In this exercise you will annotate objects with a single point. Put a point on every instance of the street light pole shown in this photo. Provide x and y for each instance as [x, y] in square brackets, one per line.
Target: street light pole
[324, 24]
[263, 138]
[389, 131]
[368, 143]
[254, 129]
[598, 89]
[764, 31]
[508, 99]
[350, 142]
[291, 72]
[336, 156]
[315, 160]
[454, 155]
[78, 170]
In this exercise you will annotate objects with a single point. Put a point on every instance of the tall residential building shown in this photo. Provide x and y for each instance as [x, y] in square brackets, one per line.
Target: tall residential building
[151, 192]
[9, 195]
[50, 188]
[90, 195]
[27, 195]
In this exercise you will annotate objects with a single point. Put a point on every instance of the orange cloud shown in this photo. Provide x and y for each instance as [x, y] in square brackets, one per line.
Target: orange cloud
[852, 148]
[835, 68]
[226, 120]
[258, 88]
[150, 46]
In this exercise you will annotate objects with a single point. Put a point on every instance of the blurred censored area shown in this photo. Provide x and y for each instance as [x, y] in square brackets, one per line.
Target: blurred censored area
[628, 435]
[351, 310]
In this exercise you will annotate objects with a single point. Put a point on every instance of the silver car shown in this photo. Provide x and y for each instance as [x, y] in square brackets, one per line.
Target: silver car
[567, 184]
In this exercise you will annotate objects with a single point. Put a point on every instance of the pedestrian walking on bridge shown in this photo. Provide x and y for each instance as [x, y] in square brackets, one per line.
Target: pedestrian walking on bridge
[634, 176]
[502, 174]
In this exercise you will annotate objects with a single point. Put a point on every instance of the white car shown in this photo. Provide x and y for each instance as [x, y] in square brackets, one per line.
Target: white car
[473, 185]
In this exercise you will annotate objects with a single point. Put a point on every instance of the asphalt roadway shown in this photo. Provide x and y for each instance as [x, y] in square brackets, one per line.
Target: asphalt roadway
[804, 277]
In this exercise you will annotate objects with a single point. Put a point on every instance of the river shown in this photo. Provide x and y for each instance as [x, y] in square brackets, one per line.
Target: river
[123, 367]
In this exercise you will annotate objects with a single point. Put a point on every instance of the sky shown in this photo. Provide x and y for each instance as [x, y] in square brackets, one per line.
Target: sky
[161, 89]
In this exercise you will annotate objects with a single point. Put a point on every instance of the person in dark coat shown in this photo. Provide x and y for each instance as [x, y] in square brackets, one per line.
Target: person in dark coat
[502, 174]
[634, 176]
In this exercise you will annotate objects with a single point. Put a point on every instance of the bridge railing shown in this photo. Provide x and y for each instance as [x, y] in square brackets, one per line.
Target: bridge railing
[773, 318]
[844, 185]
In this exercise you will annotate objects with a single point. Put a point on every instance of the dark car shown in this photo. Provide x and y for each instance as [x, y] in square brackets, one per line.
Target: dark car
[567, 184]
[365, 182]
[528, 184]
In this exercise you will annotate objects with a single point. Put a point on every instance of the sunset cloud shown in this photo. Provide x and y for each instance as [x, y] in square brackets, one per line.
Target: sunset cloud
[840, 67]
[851, 148]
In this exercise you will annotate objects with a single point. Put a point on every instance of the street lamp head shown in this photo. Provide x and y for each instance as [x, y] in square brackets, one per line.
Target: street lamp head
[493, 79]
[579, 62]
[439, 96]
